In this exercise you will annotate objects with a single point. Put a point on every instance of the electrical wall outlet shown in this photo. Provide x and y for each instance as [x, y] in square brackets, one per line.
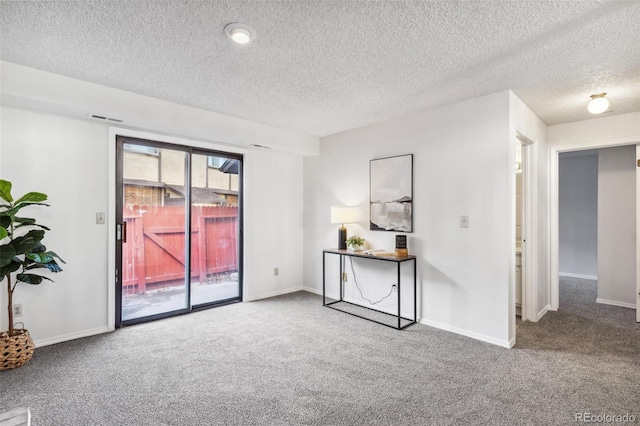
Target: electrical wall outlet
[464, 221]
[276, 271]
[100, 218]
[17, 310]
[344, 277]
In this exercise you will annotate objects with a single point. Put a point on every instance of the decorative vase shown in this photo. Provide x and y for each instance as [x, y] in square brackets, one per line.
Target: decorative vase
[356, 248]
[15, 350]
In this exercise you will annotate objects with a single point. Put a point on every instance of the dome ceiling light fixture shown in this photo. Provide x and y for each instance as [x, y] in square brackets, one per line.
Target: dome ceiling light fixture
[598, 103]
[239, 33]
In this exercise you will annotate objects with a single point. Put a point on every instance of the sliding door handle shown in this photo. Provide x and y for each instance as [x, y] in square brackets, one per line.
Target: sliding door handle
[121, 232]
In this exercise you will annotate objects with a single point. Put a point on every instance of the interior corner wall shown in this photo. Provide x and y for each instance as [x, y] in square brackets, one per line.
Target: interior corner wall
[67, 158]
[617, 226]
[578, 215]
[461, 167]
[526, 123]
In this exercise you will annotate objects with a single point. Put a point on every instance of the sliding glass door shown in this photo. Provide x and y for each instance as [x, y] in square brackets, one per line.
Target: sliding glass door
[178, 230]
[215, 219]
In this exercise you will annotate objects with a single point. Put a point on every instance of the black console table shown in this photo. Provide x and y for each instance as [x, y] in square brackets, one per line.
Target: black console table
[398, 260]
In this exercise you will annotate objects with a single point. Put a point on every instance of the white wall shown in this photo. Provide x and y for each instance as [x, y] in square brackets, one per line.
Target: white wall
[273, 224]
[69, 160]
[537, 293]
[578, 214]
[33, 89]
[462, 166]
[596, 132]
[617, 226]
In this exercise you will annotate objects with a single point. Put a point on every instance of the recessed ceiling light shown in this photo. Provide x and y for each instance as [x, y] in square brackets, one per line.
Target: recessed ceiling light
[598, 103]
[240, 33]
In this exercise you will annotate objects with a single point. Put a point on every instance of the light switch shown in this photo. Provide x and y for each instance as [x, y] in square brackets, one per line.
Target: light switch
[100, 218]
[464, 221]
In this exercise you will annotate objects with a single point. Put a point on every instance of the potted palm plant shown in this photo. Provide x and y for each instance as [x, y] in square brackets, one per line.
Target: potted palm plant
[21, 254]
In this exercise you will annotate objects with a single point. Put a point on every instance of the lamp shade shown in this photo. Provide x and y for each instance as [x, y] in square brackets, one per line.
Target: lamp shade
[344, 214]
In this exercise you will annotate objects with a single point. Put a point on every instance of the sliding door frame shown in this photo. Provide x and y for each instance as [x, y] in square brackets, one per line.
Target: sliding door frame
[119, 141]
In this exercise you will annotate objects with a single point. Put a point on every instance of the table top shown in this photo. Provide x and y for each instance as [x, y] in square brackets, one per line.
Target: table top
[388, 256]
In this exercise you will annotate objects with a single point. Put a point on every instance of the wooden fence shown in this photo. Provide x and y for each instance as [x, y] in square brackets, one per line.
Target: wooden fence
[154, 254]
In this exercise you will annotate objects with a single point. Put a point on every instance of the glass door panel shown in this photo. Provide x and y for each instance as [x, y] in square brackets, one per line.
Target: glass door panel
[215, 232]
[154, 206]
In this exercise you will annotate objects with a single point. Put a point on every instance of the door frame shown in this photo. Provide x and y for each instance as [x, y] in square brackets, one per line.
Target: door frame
[195, 146]
[529, 229]
[527, 308]
[554, 242]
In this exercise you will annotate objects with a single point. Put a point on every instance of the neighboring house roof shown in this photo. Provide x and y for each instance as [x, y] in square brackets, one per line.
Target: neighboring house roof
[200, 195]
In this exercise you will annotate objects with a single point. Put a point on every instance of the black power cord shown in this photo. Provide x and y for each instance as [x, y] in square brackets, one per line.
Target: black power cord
[358, 287]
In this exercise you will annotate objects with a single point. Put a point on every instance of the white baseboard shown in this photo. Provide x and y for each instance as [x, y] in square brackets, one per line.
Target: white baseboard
[504, 343]
[615, 303]
[319, 292]
[312, 290]
[542, 313]
[259, 296]
[584, 277]
[73, 336]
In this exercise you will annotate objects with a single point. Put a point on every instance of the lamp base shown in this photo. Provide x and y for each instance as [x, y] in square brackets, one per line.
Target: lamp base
[342, 238]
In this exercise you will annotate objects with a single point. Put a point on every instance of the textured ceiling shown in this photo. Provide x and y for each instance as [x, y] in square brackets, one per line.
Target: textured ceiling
[322, 67]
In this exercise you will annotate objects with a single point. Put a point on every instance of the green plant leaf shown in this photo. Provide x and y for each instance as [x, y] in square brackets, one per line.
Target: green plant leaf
[33, 197]
[5, 221]
[53, 266]
[3, 233]
[33, 224]
[5, 190]
[39, 248]
[32, 278]
[14, 210]
[54, 254]
[44, 258]
[11, 267]
[35, 266]
[6, 255]
[27, 242]
[25, 220]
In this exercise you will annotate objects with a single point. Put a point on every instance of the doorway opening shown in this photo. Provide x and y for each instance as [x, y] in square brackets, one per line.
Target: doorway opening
[178, 229]
[597, 227]
[616, 223]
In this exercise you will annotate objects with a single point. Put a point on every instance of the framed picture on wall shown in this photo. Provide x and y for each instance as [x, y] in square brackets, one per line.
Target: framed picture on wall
[391, 194]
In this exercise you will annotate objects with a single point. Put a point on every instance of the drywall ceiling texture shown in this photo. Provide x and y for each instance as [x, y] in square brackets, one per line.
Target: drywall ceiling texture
[325, 67]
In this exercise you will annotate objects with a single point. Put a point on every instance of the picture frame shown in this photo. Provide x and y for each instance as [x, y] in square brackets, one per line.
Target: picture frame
[391, 194]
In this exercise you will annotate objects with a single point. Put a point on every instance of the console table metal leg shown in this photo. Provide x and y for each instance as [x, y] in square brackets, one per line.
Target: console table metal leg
[324, 301]
[399, 313]
[415, 293]
[341, 275]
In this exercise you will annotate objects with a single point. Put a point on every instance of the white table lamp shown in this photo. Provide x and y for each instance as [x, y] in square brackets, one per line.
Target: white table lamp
[343, 215]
